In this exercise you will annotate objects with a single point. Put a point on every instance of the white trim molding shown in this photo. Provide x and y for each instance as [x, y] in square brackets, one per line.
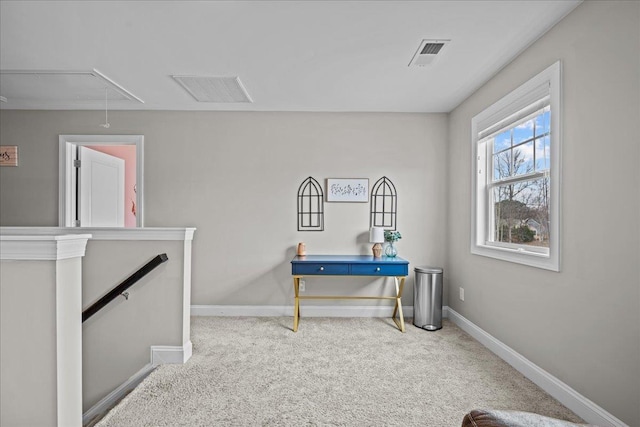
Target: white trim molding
[159, 355]
[109, 401]
[583, 407]
[171, 354]
[42, 248]
[186, 290]
[105, 233]
[66, 179]
[544, 88]
[59, 300]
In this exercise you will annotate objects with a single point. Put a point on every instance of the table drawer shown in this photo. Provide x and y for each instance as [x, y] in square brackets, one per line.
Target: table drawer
[379, 270]
[321, 269]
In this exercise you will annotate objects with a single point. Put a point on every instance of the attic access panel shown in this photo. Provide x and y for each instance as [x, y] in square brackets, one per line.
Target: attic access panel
[61, 87]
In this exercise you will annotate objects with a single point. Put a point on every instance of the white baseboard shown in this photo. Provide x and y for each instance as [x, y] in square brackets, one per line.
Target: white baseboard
[168, 354]
[306, 310]
[242, 310]
[107, 402]
[583, 407]
[160, 355]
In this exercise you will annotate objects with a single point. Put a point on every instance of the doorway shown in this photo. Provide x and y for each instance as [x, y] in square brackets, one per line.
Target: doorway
[92, 192]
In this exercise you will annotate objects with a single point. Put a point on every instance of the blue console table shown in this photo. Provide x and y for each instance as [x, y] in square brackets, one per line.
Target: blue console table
[350, 265]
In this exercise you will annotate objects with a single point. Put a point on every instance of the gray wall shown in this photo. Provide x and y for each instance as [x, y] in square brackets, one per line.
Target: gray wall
[28, 394]
[582, 325]
[235, 177]
[116, 340]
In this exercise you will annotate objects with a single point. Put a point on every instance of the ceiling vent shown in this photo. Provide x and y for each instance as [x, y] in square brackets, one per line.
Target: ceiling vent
[427, 52]
[214, 89]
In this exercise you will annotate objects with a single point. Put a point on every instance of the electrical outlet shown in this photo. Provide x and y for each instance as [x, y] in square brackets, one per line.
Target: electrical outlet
[461, 294]
[302, 286]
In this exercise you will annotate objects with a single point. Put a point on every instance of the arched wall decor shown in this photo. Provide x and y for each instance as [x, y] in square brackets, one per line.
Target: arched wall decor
[310, 206]
[384, 204]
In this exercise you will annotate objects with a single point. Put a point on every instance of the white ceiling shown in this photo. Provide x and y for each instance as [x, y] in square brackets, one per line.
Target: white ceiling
[289, 55]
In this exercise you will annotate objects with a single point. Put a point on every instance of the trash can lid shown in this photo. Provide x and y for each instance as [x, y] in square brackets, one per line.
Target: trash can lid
[427, 269]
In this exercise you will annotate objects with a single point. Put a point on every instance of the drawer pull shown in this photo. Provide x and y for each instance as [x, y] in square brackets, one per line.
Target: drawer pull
[378, 269]
[321, 268]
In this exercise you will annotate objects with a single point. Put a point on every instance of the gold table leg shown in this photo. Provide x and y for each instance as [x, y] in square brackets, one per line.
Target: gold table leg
[397, 310]
[398, 307]
[296, 305]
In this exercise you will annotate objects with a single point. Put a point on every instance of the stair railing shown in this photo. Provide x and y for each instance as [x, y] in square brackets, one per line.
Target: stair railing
[121, 289]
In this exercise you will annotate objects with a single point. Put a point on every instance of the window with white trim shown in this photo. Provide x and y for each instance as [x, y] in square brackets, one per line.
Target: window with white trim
[516, 170]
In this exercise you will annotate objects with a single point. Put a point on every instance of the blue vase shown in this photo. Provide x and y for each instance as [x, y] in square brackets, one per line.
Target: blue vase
[391, 250]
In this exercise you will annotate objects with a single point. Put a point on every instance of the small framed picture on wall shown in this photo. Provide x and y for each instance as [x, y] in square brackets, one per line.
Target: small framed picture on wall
[348, 190]
[8, 155]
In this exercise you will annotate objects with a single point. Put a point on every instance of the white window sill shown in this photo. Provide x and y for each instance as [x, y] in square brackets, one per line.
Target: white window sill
[519, 256]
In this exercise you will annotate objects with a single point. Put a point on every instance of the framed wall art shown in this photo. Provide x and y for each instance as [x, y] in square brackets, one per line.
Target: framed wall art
[348, 190]
[8, 155]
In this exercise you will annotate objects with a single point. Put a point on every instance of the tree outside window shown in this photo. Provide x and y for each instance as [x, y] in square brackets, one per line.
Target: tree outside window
[521, 182]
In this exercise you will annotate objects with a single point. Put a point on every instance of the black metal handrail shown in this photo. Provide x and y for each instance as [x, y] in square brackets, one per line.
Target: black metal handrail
[122, 287]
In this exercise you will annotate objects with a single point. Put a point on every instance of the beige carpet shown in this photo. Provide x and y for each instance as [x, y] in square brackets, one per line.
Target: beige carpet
[333, 372]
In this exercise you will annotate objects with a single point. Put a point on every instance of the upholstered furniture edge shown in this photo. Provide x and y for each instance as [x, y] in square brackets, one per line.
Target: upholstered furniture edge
[504, 418]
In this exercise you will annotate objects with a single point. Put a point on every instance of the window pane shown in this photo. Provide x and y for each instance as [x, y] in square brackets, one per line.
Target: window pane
[502, 141]
[523, 132]
[522, 213]
[542, 123]
[523, 159]
[542, 154]
[502, 165]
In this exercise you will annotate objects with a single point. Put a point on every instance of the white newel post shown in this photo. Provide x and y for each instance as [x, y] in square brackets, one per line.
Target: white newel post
[41, 329]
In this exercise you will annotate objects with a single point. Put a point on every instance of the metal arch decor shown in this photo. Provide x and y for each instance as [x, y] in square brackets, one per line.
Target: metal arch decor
[384, 204]
[310, 206]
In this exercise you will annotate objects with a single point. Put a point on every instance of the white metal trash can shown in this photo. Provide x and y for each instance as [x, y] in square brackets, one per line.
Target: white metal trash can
[427, 298]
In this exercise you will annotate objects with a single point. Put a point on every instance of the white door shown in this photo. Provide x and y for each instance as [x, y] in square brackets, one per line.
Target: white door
[100, 189]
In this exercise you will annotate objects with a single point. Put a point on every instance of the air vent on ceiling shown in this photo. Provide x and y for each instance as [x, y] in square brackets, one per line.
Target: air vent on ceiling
[214, 89]
[427, 52]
